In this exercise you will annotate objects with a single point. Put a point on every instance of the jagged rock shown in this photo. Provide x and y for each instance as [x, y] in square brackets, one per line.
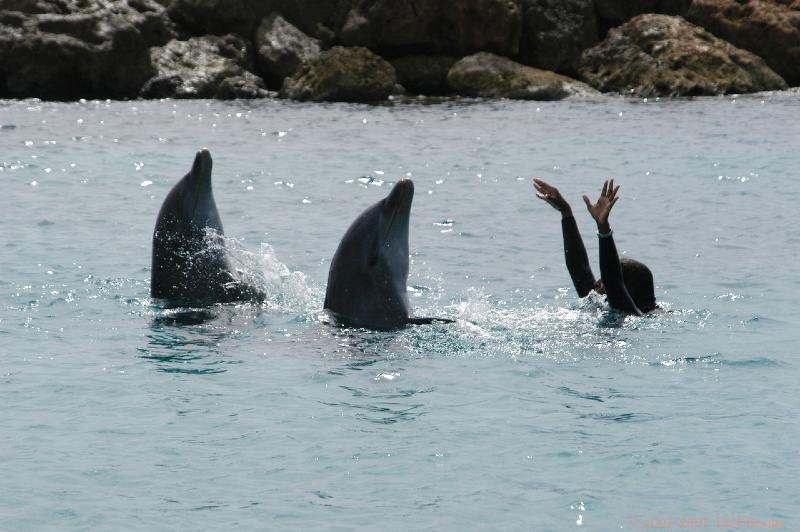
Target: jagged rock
[197, 68]
[401, 27]
[64, 51]
[556, 32]
[342, 74]
[281, 49]
[660, 55]
[318, 18]
[491, 76]
[424, 74]
[770, 29]
[612, 13]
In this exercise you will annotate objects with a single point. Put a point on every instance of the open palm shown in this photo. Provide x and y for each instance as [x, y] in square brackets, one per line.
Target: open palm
[601, 209]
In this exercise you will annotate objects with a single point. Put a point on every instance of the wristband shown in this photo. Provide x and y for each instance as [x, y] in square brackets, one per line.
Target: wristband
[605, 235]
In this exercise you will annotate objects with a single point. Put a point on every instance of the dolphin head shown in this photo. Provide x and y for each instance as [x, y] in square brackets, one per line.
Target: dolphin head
[369, 271]
[189, 208]
[391, 245]
[192, 199]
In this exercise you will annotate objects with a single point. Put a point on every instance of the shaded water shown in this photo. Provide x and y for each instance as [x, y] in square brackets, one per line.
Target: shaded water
[534, 411]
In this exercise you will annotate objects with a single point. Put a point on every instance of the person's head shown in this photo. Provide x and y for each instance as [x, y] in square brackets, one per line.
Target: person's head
[638, 281]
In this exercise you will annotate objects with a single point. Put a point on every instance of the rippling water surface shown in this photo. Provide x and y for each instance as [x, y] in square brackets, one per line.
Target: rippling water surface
[534, 411]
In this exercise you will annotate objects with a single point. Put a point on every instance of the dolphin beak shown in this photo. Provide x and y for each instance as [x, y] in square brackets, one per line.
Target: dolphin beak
[401, 195]
[201, 175]
[398, 204]
[201, 168]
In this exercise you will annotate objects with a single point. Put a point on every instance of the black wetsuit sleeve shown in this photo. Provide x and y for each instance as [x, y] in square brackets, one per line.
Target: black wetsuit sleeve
[611, 274]
[576, 257]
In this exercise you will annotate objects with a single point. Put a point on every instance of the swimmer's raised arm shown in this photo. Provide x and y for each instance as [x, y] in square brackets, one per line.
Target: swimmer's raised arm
[547, 192]
[610, 267]
[574, 251]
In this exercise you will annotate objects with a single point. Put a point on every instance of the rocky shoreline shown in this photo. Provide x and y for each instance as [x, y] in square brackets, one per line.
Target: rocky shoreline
[368, 50]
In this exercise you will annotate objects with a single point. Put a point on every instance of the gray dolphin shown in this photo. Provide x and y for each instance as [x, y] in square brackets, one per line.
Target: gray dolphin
[369, 271]
[190, 265]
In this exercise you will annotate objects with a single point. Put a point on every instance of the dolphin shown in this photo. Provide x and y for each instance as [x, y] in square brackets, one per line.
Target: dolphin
[369, 271]
[190, 265]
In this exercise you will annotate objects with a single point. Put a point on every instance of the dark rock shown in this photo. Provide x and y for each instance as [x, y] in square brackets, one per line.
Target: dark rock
[342, 74]
[318, 18]
[37, 7]
[325, 35]
[321, 19]
[14, 19]
[163, 86]
[200, 17]
[281, 49]
[402, 27]
[555, 33]
[612, 13]
[660, 55]
[197, 68]
[770, 29]
[247, 86]
[491, 76]
[424, 74]
[92, 49]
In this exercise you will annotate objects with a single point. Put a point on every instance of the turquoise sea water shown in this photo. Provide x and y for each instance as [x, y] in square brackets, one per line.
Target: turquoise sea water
[534, 411]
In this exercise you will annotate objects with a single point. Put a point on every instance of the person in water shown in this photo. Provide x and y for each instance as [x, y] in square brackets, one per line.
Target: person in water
[627, 283]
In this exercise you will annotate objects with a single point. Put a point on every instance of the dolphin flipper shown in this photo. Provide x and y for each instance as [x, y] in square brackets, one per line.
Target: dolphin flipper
[427, 321]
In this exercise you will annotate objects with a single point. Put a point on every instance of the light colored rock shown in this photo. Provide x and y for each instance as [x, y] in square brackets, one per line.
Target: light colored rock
[342, 74]
[491, 76]
[197, 68]
[661, 55]
[281, 49]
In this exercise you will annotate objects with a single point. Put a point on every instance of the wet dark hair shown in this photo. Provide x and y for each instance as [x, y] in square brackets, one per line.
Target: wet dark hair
[638, 281]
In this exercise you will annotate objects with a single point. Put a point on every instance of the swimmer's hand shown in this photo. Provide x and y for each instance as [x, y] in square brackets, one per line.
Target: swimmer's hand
[601, 209]
[547, 192]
